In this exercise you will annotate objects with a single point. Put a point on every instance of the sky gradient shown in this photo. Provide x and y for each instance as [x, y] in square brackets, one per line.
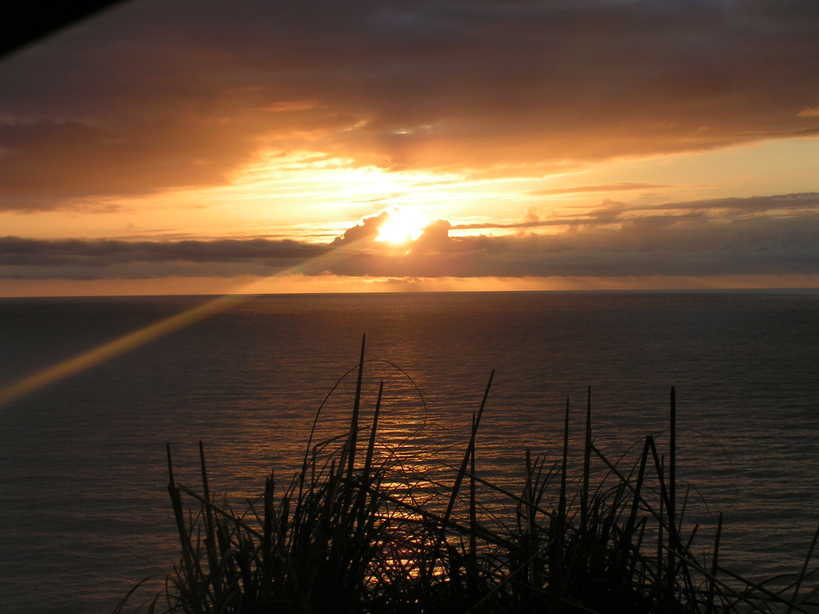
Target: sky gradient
[212, 147]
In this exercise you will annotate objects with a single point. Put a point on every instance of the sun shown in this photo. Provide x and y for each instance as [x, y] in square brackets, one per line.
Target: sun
[403, 224]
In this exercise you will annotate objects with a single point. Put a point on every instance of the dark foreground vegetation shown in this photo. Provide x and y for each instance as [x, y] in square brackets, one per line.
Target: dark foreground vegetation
[354, 533]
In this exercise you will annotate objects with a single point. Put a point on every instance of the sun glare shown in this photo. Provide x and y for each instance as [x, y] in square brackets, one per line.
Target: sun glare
[403, 225]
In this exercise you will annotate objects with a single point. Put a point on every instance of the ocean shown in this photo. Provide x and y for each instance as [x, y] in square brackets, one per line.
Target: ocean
[84, 510]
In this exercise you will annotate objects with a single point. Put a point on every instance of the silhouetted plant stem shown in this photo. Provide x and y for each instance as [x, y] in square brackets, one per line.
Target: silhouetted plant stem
[179, 517]
[558, 533]
[709, 607]
[351, 443]
[456, 487]
[368, 461]
[672, 494]
[804, 569]
[210, 539]
[584, 500]
[473, 512]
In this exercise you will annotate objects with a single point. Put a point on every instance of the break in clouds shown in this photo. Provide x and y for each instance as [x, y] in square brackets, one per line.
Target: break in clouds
[760, 235]
[155, 95]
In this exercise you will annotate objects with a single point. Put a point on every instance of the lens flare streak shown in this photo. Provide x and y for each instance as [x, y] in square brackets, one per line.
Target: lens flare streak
[133, 340]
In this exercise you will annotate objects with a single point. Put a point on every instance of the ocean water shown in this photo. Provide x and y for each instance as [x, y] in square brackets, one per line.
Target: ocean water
[84, 511]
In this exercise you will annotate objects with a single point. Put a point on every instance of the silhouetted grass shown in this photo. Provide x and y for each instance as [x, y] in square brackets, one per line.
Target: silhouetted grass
[353, 534]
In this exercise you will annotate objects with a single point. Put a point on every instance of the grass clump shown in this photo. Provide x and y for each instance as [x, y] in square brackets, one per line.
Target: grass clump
[353, 533]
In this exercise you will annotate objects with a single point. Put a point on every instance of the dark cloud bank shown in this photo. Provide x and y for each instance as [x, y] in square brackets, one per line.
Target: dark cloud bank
[155, 94]
[772, 235]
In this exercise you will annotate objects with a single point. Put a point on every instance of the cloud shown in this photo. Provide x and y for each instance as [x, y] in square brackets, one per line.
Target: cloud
[434, 239]
[809, 112]
[652, 246]
[94, 259]
[777, 234]
[46, 162]
[725, 208]
[608, 187]
[154, 95]
[366, 230]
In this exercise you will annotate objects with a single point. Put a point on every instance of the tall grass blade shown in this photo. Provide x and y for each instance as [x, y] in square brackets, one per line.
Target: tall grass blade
[456, 487]
[368, 461]
[584, 500]
[672, 494]
[473, 512]
[558, 534]
[709, 607]
[210, 539]
[351, 443]
[804, 569]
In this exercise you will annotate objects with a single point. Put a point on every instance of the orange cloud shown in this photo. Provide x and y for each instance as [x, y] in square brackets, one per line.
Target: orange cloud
[608, 187]
[150, 96]
[809, 112]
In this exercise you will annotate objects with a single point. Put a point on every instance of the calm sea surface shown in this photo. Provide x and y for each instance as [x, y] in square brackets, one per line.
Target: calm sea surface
[84, 512]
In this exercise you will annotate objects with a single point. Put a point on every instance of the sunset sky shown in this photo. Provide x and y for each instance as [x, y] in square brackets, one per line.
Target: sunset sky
[268, 146]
